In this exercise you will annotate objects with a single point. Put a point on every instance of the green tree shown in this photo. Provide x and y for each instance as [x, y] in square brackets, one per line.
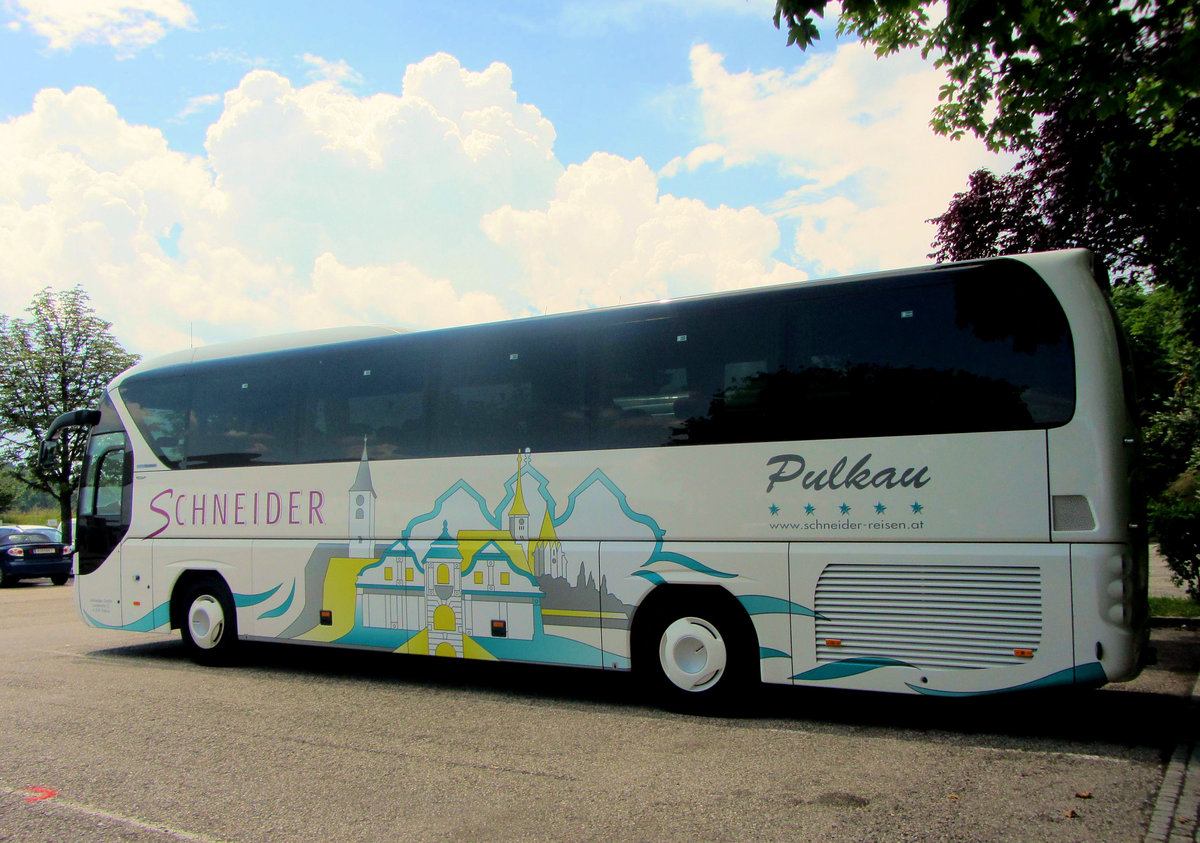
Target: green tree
[1096, 183]
[1100, 97]
[1048, 202]
[1009, 63]
[58, 360]
[1175, 522]
[10, 488]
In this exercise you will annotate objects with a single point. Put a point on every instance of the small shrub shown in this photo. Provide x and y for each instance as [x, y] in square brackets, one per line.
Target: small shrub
[1175, 522]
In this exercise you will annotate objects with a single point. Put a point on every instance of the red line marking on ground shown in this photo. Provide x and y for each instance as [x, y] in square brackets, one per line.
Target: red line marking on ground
[43, 793]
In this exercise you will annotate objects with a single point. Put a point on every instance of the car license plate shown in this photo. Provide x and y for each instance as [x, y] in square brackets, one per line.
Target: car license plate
[44, 551]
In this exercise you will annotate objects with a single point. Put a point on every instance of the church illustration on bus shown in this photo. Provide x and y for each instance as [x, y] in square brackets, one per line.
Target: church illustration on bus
[490, 586]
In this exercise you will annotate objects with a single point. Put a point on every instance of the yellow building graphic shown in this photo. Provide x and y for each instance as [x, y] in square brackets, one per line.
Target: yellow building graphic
[469, 584]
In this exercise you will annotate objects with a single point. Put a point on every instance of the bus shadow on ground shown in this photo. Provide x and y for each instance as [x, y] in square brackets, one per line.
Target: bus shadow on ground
[1117, 716]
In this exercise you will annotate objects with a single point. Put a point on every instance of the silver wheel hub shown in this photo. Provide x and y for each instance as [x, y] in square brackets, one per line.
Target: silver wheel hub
[206, 622]
[692, 654]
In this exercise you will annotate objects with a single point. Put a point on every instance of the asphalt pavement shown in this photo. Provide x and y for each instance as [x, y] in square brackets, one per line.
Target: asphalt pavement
[118, 736]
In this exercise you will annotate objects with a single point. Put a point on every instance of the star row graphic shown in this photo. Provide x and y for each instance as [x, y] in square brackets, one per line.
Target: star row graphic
[845, 509]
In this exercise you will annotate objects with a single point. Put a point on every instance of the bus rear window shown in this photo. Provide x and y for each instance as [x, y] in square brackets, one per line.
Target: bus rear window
[965, 353]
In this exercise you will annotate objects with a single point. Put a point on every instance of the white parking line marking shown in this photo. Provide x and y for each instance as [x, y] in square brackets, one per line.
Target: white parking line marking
[41, 798]
[1074, 756]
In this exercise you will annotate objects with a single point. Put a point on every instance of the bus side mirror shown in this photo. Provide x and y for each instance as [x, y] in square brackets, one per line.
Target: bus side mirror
[47, 454]
[48, 449]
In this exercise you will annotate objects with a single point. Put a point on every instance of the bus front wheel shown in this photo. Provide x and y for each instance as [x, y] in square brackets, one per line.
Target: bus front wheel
[209, 623]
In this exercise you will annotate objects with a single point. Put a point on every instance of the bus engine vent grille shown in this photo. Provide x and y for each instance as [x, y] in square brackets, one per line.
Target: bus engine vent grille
[929, 616]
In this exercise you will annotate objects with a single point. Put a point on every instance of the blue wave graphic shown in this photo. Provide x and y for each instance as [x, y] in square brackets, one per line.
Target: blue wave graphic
[849, 667]
[156, 617]
[282, 607]
[760, 604]
[1091, 673]
[241, 600]
[600, 477]
[686, 561]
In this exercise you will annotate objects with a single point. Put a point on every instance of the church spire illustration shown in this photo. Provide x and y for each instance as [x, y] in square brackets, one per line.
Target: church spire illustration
[362, 511]
[518, 516]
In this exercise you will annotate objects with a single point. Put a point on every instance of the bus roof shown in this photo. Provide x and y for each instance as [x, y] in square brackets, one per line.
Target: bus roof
[328, 336]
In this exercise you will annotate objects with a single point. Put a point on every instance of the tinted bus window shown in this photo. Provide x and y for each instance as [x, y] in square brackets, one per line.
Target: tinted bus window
[504, 390]
[365, 392]
[689, 378]
[974, 348]
[160, 409]
[950, 355]
[245, 413]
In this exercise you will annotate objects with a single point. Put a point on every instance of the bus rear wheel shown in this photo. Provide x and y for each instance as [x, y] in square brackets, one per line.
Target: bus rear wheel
[696, 656]
[209, 622]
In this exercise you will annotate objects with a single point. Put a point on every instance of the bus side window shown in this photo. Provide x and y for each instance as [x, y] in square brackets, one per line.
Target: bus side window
[927, 355]
[636, 377]
[109, 472]
[160, 409]
[244, 414]
[365, 391]
[668, 381]
[502, 391]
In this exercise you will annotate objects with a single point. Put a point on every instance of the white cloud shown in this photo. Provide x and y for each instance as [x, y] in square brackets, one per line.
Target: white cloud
[337, 72]
[83, 197]
[381, 178]
[695, 159]
[341, 295]
[306, 193]
[196, 105]
[227, 56]
[315, 207]
[125, 25]
[608, 237]
[848, 125]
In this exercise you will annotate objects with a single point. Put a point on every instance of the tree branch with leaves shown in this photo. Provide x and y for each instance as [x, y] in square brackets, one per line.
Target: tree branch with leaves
[58, 360]
[1009, 64]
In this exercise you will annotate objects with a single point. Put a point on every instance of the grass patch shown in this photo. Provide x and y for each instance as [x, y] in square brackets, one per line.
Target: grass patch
[38, 516]
[1174, 607]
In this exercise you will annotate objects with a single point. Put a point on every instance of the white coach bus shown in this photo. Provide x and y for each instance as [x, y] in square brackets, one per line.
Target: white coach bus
[915, 481]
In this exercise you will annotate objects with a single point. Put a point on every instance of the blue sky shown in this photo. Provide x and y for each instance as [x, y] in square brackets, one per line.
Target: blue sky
[219, 170]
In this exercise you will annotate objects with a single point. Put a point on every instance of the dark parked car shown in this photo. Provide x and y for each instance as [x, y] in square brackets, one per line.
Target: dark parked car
[28, 554]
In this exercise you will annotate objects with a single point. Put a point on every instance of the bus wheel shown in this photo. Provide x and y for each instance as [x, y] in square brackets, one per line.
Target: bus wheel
[209, 623]
[698, 656]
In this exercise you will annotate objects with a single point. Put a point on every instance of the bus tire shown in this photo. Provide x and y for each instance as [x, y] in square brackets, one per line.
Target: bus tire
[696, 653]
[208, 625]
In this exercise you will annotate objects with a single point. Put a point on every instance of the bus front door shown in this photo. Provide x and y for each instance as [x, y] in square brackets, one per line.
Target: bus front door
[105, 498]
